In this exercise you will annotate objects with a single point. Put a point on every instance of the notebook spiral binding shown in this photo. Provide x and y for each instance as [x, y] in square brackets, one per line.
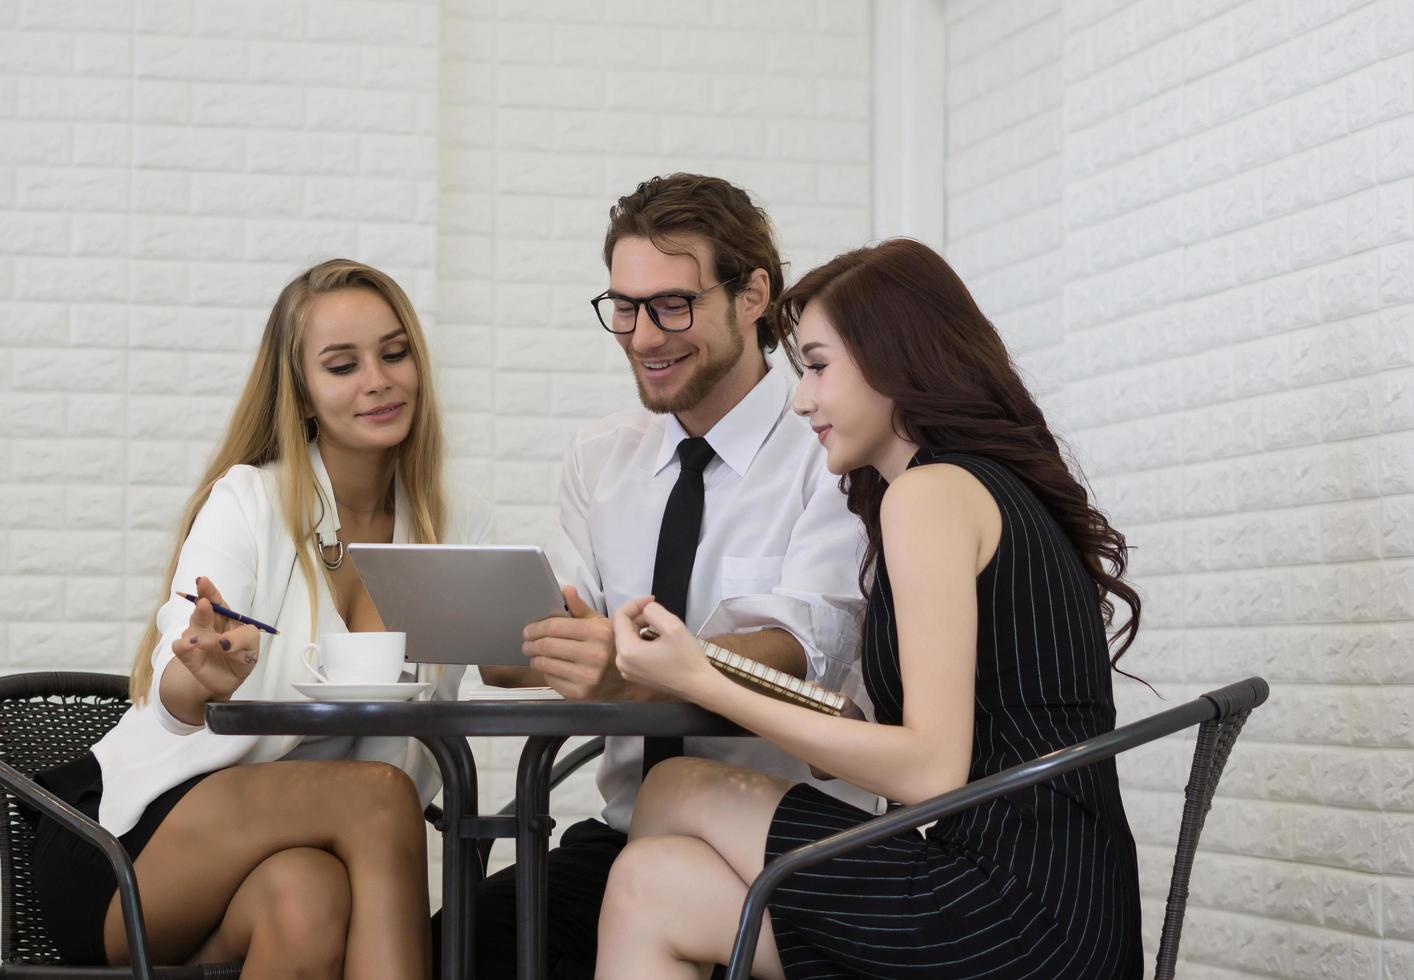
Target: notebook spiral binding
[773, 682]
[767, 680]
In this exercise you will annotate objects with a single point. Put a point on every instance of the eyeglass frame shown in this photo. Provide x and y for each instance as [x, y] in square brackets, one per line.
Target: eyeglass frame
[639, 303]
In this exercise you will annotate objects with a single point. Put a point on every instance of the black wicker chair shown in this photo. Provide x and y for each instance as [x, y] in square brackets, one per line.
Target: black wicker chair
[1219, 716]
[52, 717]
[47, 719]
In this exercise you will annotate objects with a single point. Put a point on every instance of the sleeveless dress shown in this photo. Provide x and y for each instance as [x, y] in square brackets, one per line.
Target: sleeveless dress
[1042, 884]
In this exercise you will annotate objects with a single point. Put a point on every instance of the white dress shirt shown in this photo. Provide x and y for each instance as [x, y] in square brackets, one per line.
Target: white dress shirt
[239, 541]
[778, 549]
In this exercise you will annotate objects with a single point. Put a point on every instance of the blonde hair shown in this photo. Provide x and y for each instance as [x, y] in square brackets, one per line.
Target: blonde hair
[269, 424]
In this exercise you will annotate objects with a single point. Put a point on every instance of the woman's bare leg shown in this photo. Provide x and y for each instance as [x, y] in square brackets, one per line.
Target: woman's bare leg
[670, 910]
[290, 917]
[365, 814]
[674, 896]
[728, 807]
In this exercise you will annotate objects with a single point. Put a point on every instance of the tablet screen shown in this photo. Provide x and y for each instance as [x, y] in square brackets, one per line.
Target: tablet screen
[460, 604]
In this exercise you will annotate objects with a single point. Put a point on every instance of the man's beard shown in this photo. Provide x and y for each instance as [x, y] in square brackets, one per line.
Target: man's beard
[700, 383]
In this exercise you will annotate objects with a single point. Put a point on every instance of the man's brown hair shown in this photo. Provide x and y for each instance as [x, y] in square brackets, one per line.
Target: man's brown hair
[663, 209]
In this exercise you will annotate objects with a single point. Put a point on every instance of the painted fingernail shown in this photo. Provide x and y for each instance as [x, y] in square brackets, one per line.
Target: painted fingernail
[225, 643]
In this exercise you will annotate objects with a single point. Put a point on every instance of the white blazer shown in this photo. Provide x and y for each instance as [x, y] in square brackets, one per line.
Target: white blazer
[240, 542]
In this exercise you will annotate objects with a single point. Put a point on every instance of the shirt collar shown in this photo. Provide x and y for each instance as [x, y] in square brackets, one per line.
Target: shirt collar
[327, 509]
[326, 527]
[740, 433]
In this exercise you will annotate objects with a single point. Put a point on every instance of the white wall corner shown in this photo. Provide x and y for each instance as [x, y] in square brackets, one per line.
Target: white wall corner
[908, 119]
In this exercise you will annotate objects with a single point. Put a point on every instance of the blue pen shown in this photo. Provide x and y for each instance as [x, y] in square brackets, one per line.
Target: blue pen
[232, 614]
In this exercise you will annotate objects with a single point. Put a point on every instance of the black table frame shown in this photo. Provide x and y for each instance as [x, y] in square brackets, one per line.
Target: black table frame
[444, 726]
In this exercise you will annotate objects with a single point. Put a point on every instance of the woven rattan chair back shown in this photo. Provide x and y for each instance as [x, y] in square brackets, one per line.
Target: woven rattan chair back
[46, 719]
[1215, 741]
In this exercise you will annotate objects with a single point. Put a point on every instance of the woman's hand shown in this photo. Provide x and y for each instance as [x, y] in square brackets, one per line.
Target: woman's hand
[674, 662]
[218, 653]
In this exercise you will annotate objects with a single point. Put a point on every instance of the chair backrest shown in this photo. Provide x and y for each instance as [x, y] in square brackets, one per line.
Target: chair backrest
[1215, 741]
[46, 719]
[1219, 716]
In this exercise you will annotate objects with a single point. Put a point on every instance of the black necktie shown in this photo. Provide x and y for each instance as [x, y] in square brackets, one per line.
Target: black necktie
[677, 549]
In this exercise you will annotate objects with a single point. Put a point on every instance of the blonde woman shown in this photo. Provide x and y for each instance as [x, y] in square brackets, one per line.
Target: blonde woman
[300, 856]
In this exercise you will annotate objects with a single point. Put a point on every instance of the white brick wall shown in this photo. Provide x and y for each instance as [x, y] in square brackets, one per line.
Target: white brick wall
[550, 112]
[1194, 223]
[167, 165]
[164, 168]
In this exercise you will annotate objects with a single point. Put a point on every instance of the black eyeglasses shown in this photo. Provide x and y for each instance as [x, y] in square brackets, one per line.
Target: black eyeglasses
[671, 312]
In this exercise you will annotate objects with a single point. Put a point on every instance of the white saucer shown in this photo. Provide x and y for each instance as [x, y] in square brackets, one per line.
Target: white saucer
[362, 692]
[513, 694]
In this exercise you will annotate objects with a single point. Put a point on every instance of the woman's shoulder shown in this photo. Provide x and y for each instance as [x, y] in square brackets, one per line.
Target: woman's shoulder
[941, 494]
[972, 462]
[937, 484]
[992, 473]
[253, 488]
[244, 497]
[249, 478]
[245, 484]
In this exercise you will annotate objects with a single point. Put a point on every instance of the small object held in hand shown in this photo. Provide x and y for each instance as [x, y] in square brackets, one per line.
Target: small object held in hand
[768, 680]
[232, 614]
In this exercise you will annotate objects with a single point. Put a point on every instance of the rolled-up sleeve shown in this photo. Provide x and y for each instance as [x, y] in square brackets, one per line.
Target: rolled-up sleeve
[570, 549]
[817, 599]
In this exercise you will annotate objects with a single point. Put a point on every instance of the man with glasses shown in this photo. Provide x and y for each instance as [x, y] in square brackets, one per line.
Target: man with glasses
[713, 496]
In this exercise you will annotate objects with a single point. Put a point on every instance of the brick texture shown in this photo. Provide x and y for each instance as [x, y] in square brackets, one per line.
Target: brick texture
[551, 112]
[167, 165]
[1193, 224]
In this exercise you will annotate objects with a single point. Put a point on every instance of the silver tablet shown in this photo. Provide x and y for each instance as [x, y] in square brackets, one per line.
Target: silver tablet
[459, 604]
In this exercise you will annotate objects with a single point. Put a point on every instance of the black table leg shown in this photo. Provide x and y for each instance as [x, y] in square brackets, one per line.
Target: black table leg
[533, 826]
[469, 870]
[460, 862]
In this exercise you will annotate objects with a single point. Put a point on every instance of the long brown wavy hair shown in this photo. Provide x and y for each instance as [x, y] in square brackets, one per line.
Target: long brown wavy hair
[920, 340]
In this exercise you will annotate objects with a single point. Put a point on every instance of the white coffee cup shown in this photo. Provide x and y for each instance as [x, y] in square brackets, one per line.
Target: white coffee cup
[356, 658]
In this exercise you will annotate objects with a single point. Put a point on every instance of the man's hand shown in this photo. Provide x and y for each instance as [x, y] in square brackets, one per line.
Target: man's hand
[576, 655]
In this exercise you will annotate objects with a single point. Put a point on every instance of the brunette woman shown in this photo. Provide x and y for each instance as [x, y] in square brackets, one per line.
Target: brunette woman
[992, 580]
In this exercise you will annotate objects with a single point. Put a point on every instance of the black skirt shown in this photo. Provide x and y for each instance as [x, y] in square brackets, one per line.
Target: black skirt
[917, 905]
[73, 881]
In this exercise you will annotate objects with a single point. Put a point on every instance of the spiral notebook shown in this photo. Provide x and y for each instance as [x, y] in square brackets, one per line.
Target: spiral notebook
[767, 680]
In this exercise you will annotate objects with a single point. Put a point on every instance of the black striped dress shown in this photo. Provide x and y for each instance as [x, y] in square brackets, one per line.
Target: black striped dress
[1042, 884]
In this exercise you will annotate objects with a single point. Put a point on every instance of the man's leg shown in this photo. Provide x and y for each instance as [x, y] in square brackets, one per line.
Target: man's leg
[579, 870]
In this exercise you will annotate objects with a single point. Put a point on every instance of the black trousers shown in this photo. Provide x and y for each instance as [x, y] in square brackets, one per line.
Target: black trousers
[579, 870]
